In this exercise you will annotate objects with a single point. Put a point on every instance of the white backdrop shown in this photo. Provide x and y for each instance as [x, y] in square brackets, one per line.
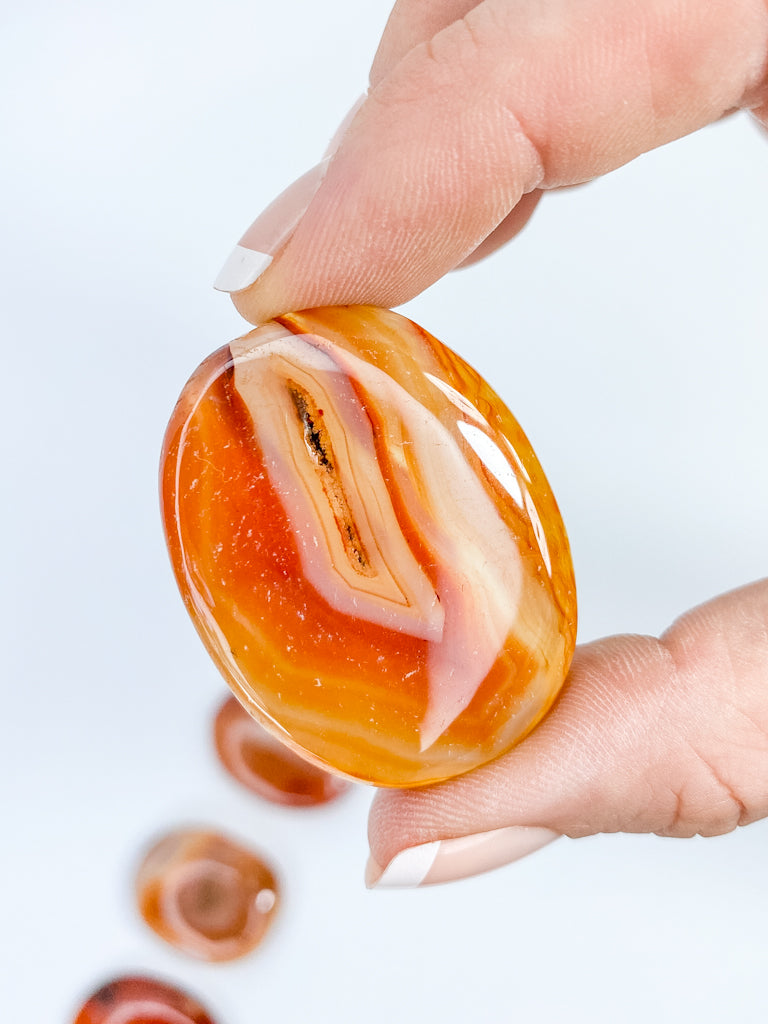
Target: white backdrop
[627, 330]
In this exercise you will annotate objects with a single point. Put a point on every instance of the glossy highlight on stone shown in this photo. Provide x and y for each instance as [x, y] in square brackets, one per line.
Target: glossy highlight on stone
[135, 999]
[368, 546]
[206, 895]
[268, 767]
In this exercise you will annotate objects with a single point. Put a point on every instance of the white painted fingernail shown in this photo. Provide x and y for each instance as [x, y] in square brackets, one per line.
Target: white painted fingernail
[269, 232]
[448, 860]
[272, 228]
[241, 268]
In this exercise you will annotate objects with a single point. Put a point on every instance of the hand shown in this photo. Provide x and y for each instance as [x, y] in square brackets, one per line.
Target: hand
[667, 736]
[474, 111]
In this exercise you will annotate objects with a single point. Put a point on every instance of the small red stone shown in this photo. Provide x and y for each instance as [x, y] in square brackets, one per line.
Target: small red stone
[134, 999]
[267, 767]
[206, 895]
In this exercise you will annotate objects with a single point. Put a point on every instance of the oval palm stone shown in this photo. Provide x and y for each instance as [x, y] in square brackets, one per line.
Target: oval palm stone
[368, 546]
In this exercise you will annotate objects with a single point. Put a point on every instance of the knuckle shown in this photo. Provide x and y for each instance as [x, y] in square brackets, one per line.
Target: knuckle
[720, 778]
[705, 802]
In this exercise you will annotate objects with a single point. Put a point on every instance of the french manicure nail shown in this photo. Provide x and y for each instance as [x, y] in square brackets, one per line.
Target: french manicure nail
[269, 232]
[448, 860]
[341, 131]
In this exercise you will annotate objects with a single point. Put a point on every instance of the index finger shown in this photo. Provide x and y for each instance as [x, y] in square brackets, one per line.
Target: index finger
[507, 99]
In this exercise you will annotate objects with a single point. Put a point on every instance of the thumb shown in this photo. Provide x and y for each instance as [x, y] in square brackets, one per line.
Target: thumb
[667, 736]
[508, 99]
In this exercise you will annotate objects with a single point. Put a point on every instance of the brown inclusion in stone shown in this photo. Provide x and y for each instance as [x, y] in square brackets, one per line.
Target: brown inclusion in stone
[320, 448]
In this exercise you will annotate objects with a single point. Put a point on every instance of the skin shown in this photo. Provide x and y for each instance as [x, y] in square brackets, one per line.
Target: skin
[482, 108]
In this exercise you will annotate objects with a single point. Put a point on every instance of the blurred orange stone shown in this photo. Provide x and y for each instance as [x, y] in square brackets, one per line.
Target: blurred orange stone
[134, 999]
[266, 766]
[206, 895]
[368, 546]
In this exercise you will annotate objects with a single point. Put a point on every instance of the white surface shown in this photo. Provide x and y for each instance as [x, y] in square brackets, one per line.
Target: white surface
[626, 328]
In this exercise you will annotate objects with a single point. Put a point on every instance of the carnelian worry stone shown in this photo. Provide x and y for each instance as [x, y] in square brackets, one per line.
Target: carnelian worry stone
[206, 895]
[368, 546]
[134, 999]
[266, 766]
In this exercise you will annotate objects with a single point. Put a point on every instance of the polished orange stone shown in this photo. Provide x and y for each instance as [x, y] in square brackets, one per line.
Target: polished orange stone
[368, 546]
[134, 999]
[266, 766]
[206, 895]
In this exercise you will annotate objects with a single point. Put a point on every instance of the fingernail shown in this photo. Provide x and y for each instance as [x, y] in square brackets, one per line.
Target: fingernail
[341, 131]
[448, 860]
[269, 232]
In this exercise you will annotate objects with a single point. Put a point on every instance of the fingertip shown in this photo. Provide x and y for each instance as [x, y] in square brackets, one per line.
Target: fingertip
[260, 301]
[401, 204]
[509, 228]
